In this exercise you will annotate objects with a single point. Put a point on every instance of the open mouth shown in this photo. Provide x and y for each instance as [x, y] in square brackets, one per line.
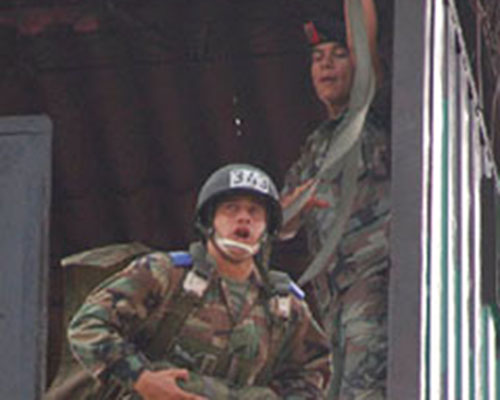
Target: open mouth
[242, 233]
[328, 79]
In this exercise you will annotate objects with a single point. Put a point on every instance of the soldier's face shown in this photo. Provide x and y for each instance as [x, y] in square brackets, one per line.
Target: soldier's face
[331, 73]
[240, 218]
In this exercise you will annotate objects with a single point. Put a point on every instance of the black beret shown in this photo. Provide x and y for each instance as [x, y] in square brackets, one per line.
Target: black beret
[325, 28]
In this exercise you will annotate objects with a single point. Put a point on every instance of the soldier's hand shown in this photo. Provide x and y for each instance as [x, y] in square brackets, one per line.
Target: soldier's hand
[162, 385]
[290, 198]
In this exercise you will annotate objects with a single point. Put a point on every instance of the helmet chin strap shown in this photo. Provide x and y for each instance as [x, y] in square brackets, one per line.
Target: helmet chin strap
[225, 245]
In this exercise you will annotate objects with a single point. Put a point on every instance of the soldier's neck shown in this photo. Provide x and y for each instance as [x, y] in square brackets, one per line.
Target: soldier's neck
[335, 111]
[239, 272]
[228, 268]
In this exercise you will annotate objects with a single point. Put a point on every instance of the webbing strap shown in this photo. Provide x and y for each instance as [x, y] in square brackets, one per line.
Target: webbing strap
[325, 255]
[173, 318]
[280, 333]
[180, 303]
[343, 153]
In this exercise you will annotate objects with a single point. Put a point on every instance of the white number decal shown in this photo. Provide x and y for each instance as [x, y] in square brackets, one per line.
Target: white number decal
[250, 179]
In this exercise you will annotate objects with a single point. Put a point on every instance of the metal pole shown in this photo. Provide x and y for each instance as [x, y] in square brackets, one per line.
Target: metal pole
[405, 321]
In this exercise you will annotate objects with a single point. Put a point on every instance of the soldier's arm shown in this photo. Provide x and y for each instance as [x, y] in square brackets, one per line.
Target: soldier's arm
[305, 365]
[99, 333]
[291, 226]
[295, 185]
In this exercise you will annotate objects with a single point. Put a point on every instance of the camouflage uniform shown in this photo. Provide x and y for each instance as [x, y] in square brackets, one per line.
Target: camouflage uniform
[352, 297]
[235, 346]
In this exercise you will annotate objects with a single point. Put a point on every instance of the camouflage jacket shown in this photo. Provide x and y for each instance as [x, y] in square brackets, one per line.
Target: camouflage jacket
[283, 356]
[364, 246]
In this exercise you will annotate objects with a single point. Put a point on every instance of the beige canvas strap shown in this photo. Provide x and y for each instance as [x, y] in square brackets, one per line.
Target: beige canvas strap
[344, 151]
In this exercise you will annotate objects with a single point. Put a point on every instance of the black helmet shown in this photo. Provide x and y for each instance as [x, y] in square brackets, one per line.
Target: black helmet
[234, 179]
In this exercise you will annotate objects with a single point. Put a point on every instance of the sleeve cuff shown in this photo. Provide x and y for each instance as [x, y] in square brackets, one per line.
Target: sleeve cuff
[127, 369]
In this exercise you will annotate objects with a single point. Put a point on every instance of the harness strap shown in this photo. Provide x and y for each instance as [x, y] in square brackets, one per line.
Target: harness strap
[182, 302]
[324, 257]
[344, 150]
[173, 319]
[281, 321]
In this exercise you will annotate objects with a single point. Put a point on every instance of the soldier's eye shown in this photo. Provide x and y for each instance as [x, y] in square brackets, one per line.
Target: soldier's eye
[230, 207]
[340, 53]
[317, 56]
[256, 211]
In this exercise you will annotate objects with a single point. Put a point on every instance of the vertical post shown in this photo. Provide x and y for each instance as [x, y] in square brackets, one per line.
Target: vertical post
[436, 234]
[408, 98]
[464, 228]
[452, 341]
[24, 220]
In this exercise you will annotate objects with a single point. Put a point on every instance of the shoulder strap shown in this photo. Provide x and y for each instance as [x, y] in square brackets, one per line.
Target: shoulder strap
[279, 305]
[162, 334]
[189, 286]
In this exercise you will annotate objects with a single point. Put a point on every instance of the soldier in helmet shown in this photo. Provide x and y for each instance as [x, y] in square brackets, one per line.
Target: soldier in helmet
[211, 323]
[345, 212]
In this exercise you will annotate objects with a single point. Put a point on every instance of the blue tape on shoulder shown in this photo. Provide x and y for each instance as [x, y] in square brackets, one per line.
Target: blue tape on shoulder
[296, 290]
[181, 258]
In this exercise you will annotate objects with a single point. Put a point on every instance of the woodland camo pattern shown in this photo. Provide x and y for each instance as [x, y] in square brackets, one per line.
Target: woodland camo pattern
[352, 292]
[245, 351]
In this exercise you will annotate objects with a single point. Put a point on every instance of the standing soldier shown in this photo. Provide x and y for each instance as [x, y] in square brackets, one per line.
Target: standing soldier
[339, 190]
[211, 323]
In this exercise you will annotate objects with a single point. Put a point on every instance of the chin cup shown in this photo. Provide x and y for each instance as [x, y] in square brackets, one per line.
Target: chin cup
[226, 244]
